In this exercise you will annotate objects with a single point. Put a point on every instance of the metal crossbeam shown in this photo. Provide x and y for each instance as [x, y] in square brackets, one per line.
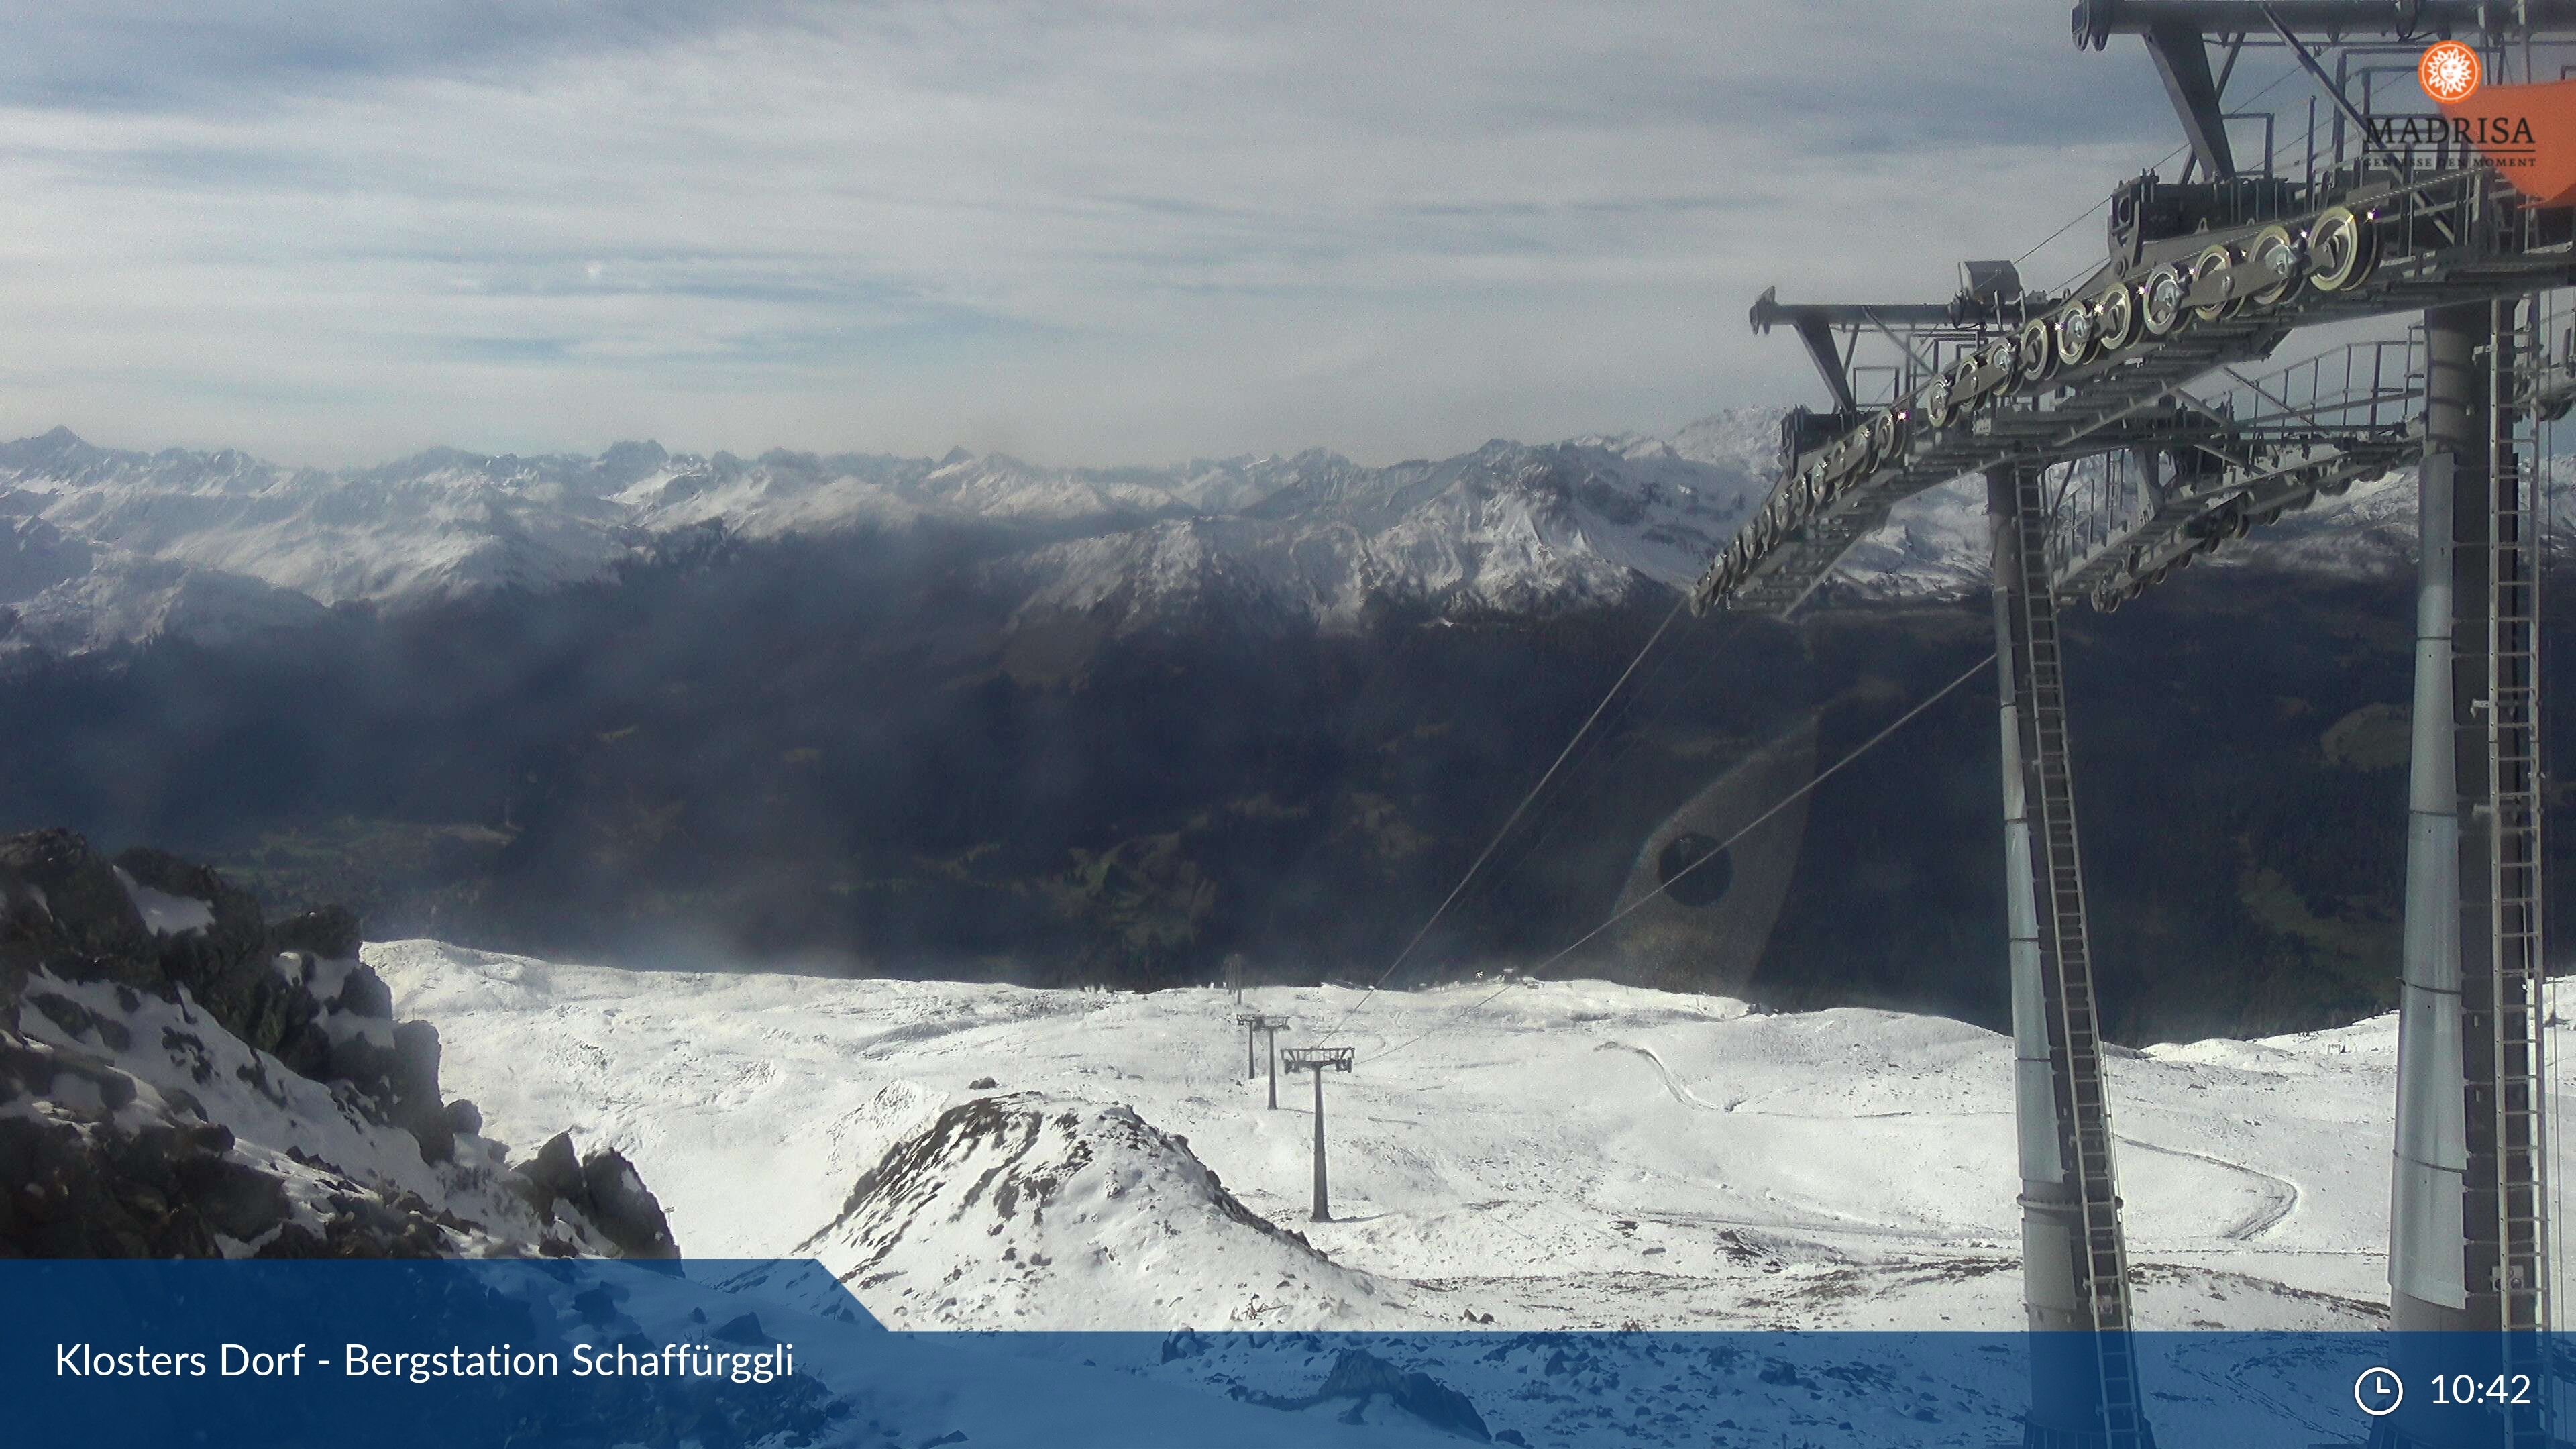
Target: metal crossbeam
[2122, 522]
[2452, 236]
[2096, 21]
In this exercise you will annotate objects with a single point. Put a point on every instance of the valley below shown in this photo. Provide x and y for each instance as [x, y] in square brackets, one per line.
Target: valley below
[977, 719]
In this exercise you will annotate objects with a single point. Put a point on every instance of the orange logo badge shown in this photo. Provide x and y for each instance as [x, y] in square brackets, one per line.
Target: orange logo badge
[2450, 72]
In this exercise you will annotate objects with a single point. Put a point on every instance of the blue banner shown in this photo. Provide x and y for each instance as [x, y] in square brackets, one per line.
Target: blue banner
[595, 1353]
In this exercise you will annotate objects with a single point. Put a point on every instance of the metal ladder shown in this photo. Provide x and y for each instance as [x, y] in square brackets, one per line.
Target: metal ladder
[2517, 1104]
[2066, 967]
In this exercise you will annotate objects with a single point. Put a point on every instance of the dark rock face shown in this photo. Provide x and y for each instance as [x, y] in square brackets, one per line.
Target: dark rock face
[1359, 1376]
[332, 931]
[605, 1189]
[162, 1191]
[123, 1012]
[415, 1090]
[624, 1209]
[65, 908]
[210, 959]
[464, 1118]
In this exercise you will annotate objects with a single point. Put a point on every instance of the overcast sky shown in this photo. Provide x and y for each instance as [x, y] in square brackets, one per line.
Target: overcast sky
[329, 232]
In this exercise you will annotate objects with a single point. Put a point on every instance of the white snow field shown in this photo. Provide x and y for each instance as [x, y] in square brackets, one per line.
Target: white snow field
[1565, 1155]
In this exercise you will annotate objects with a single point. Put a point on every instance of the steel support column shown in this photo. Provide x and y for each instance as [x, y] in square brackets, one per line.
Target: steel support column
[2467, 1216]
[1320, 1060]
[2074, 1262]
[2428, 1229]
[1323, 1194]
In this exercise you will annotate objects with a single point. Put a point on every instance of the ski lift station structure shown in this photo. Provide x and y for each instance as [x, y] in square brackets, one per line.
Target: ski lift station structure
[2129, 422]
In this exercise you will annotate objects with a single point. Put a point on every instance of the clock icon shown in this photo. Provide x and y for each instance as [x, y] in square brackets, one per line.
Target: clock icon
[2378, 1391]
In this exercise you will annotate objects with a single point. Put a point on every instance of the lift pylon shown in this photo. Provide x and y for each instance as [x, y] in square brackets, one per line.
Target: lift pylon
[2134, 370]
[1269, 1028]
[1320, 1060]
[1255, 1025]
[2468, 1213]
[2075, 1278]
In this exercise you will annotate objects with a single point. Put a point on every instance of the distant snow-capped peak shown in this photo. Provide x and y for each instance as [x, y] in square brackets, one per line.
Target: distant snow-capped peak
[98, 544]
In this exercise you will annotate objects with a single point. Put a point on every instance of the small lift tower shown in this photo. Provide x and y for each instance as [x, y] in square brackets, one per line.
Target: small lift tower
[1269, 1028]
[1320, 1060]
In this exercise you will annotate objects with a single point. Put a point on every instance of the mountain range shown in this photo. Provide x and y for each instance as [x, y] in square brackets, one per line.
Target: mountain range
[99, 545]
[971, 716]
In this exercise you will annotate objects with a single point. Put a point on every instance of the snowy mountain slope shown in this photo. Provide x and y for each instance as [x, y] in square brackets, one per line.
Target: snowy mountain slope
[327, 1160]
[178, 1079]
[1506, 529]
[446, 522]
[439, 522]
[1313, 536]
[100, 543]
[987, 1214]
[1563, 1155]
[122, 596]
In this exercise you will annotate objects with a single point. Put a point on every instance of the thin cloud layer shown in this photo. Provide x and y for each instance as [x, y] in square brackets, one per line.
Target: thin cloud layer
[1106, 234]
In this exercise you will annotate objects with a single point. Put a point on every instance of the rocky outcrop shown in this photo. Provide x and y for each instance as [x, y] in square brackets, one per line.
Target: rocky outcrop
[607, 1191]
[1362, 1377]
[179, 1078]
[1032, 1211]
[61, 905]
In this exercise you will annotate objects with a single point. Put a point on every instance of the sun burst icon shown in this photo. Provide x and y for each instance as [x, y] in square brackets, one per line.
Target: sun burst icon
[2450, 72]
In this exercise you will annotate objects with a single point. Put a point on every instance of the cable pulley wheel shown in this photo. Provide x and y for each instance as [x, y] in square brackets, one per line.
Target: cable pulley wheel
[1887, 430]
[2275, 253]
[2342, 249]
[2160, 309]
[2038, 351]
[2077, 332]
[2115, 316]
[2205, 266]
[1937, 408]
[1863, 458]
[1963, 382]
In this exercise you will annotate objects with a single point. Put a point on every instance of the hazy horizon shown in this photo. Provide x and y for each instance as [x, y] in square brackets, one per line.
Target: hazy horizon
[1152, 464]
[1117, 235]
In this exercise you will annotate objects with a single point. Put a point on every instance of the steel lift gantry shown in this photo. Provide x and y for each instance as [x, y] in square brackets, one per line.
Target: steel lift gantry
[2120, 436]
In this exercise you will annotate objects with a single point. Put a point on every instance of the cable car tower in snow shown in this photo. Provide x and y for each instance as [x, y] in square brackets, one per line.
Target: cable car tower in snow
[2124, 428]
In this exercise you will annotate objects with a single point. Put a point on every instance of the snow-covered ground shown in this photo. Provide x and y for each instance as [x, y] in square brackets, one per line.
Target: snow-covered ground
[1561, 1155]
